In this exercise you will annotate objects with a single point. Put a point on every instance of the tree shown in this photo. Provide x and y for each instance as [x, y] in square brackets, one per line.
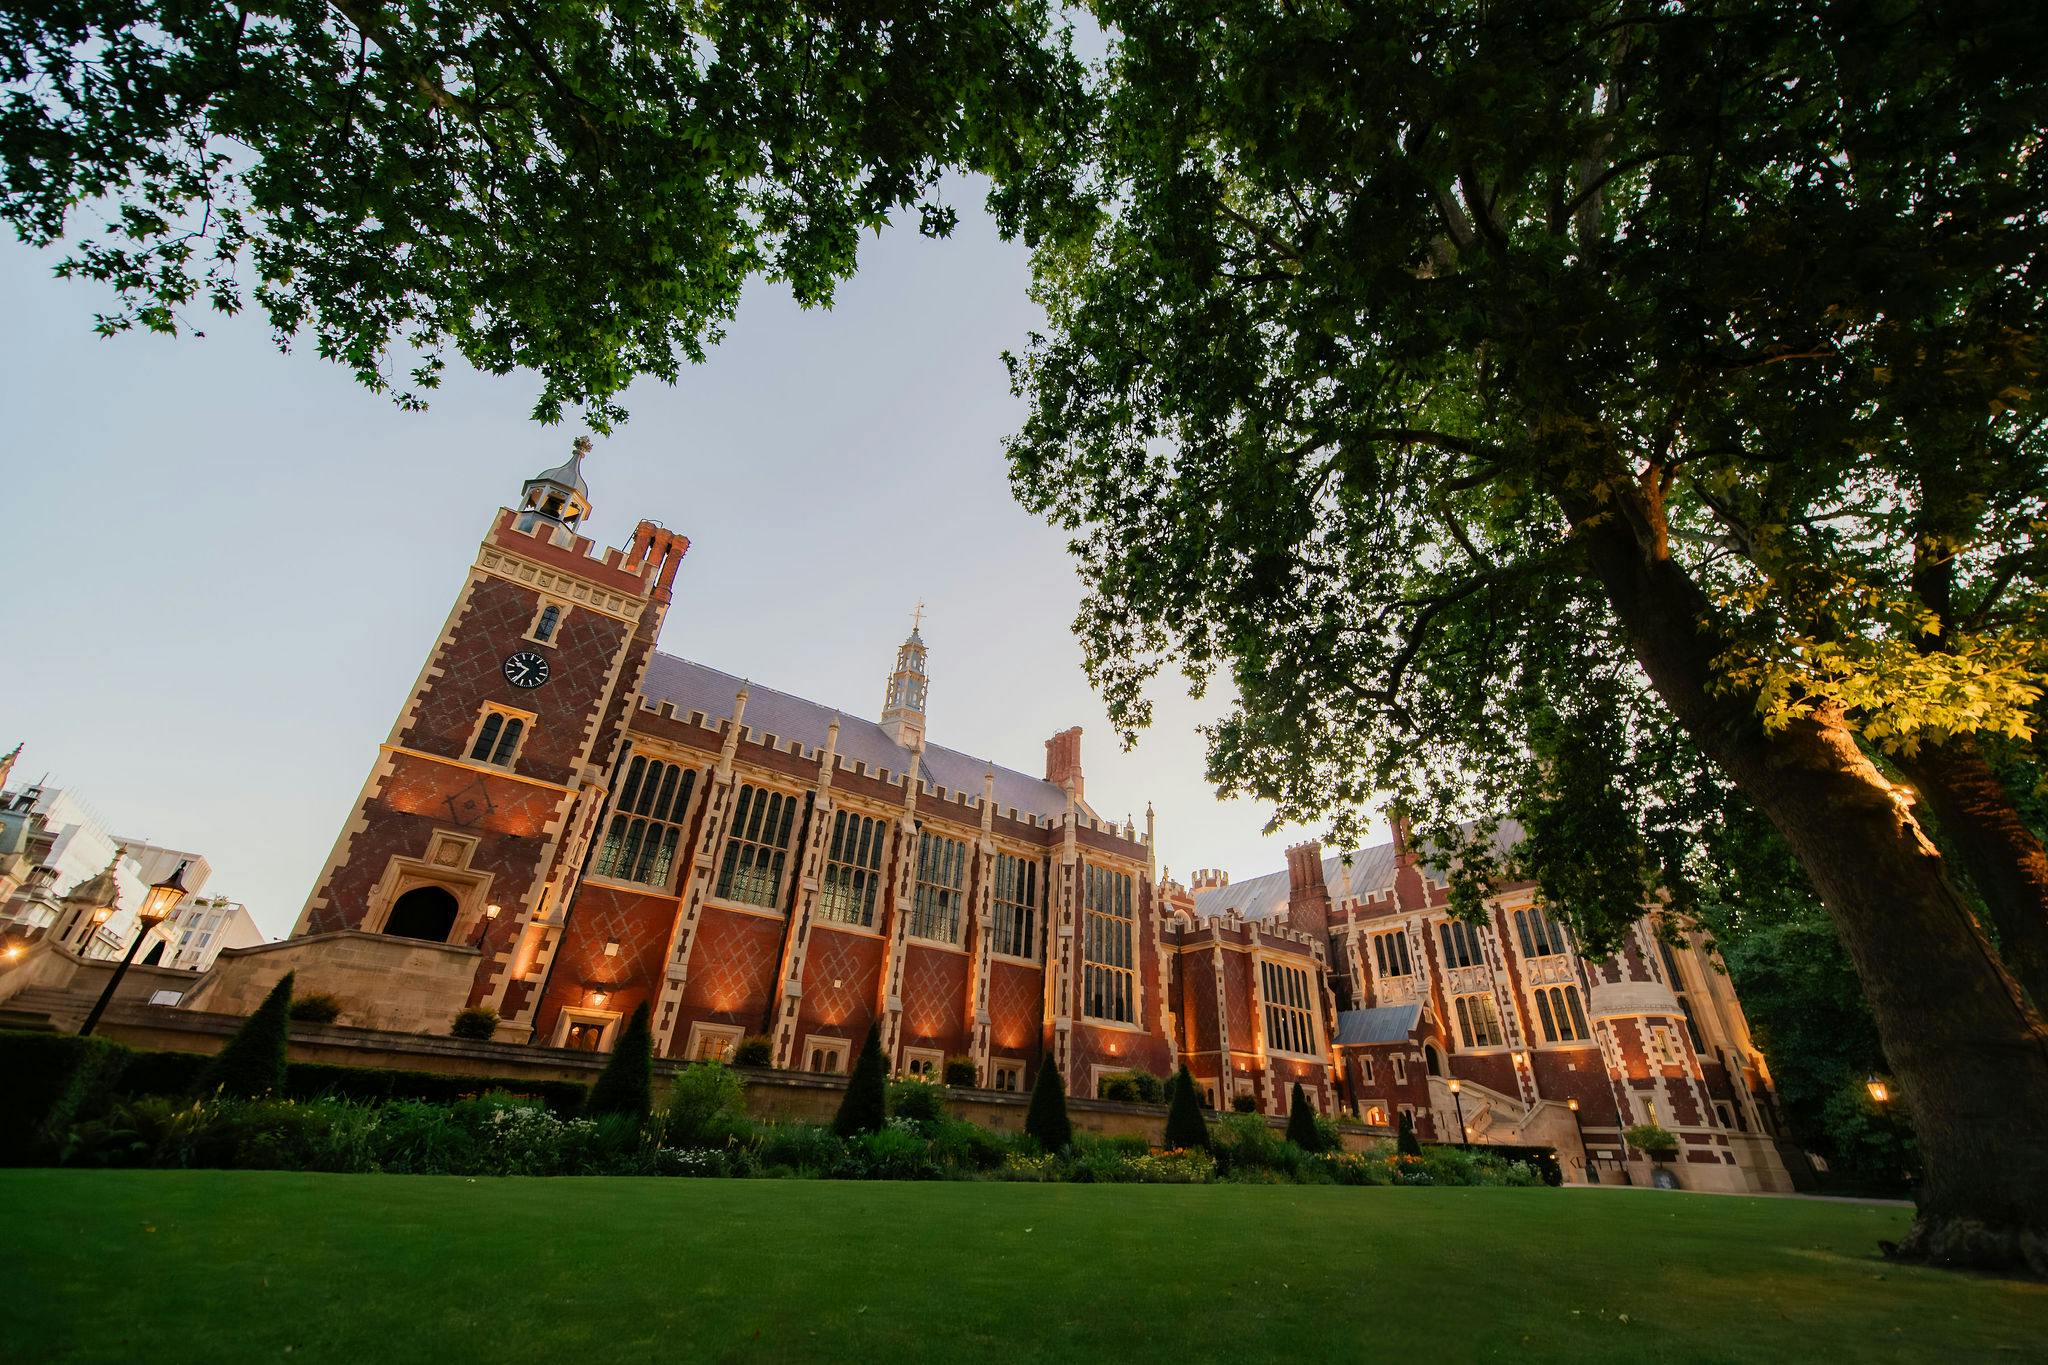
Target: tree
[865, 1106]
[1607, 414]
[253, 1063]
[1301, 1121]
[575, 188]
[626, 1085]
[1186, 1125]
[1046, 1119]
[1405, 1141]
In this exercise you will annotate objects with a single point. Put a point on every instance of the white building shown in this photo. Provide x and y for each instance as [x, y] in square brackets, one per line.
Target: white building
[201, 926]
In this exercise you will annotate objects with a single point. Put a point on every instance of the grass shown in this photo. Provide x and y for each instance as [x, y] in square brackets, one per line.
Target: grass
[228, 1266]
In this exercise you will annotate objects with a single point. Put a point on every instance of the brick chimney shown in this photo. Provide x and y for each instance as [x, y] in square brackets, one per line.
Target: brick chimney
[1063, 759]
[1409, 892]
[1208, 879]
[1308, 895]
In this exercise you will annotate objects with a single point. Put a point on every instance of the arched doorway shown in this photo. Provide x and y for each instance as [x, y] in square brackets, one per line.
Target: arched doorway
[1433, 1058]
[426, 912]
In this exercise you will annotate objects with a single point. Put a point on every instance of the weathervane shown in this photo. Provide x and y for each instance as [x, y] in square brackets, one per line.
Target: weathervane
[917, 617]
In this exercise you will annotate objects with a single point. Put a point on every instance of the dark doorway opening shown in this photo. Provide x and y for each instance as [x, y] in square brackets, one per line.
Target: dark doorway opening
[426, 912]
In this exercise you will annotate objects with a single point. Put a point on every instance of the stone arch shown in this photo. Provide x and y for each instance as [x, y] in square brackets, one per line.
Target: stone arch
[425, 912]
[1433, 1057]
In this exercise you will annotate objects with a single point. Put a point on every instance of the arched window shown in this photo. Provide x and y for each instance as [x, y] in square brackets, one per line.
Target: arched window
[1460, 943]
[1562, 1017]
[1478, 1021]
[937, 896]
[425, 912]
[544, 625]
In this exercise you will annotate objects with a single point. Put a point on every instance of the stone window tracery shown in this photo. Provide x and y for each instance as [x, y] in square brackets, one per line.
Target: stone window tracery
[1290, 1019]
[1108, 979]
[1562, 1016]
[853, 869]
[1478, 1021]
[936, 899]
[1015, 915]
[647, 814]
[757, 849]
[1460, 943]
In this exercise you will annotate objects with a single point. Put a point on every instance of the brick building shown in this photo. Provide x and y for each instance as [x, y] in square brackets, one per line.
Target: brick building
[565, 823]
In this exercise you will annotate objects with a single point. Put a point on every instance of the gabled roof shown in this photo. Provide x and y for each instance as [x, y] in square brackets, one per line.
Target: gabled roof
[1380, 1024]
[692, 686]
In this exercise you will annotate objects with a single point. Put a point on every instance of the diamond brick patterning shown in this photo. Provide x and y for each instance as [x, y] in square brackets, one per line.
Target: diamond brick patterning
[732, 967]
[842, 975]
[934, 999]
[471, 673]
[1016, 1008]
[639, 924]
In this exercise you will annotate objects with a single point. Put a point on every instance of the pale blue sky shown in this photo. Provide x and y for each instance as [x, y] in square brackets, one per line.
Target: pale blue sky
[226, 564]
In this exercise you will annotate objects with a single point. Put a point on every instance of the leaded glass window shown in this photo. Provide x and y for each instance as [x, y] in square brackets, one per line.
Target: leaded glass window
[941, 875]
[1015, 917]
[1290, 1025]
[646, 823]
[757, 849]
[1109, 979]
[853, 869]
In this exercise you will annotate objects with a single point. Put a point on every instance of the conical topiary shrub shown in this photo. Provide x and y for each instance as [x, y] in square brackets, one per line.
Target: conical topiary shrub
[1301, 1121]
[1185, 1125]
[627, 1083]
[252, 1064]
[1047, 1119]
[866, 1104]
[1405, 1141]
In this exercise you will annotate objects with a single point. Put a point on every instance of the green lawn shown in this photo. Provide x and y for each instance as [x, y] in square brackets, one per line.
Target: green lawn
[229, 1266]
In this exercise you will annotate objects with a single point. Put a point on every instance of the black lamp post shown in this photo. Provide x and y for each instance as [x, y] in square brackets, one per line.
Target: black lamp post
[1585, 1155]
[157, 904]
[1458, 1099]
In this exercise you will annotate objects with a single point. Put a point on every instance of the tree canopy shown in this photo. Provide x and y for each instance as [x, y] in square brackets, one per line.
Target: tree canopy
[578, 189]
[1602, 413]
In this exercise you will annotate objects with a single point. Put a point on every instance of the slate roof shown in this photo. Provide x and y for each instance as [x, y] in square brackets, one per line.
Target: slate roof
[1381, 1024]
[692, 686]
[1370, 872]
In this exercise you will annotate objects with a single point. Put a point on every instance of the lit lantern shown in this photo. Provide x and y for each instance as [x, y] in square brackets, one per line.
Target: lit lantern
[1880, 1093]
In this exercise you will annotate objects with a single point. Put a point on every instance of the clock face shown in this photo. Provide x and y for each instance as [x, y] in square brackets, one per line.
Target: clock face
[526, 669]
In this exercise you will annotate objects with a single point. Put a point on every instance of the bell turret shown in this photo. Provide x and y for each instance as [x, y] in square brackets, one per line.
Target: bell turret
[903, 707]
[557, 498]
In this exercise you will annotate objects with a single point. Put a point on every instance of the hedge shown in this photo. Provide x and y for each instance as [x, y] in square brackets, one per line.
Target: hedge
[178, 1073]
[1543, 1160]
[51, 1080]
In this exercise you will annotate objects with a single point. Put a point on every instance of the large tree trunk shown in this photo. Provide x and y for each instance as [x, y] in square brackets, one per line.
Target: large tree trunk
[2005, 859]
[1970, 1053]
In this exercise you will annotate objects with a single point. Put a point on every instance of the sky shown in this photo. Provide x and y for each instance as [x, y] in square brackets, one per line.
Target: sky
[226, 564]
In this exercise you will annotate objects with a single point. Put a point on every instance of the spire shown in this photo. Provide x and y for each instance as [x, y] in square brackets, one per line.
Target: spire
[7, 765]
[557, 499]
[104, 887]
[903, 705]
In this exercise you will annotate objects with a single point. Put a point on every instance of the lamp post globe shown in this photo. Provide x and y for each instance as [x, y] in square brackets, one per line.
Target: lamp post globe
[158, 903]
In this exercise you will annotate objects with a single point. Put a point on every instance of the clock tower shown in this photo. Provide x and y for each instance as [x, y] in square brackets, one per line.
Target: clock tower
[472, 825]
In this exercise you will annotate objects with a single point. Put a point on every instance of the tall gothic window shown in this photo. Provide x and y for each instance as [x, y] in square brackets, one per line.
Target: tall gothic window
[647, 822]
[1562, 1016]
[1016, 907]
[1460, 943]
[1541, 936]
[941, 875]
[1692, 1025]
[853, 869]
[1290, 1026]
[1109, 979]
[757, 848]
[1478, 1021]
[1390, 954]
